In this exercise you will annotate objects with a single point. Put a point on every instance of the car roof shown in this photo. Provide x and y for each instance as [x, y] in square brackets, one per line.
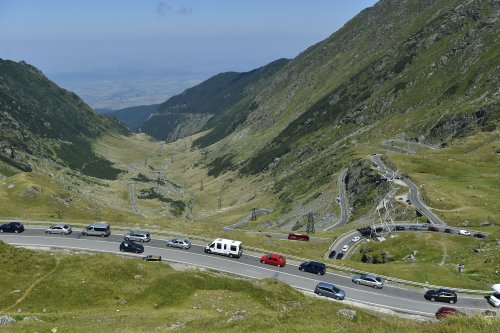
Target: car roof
[100, 225]
[317, 263]
[325, 284]
[140, 232]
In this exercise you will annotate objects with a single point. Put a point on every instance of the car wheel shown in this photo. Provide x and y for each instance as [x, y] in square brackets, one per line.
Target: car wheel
[281, 265]
[301, 269]
[47, 232]
[84, 233]
[375, 286]
[230, 255]
[209, 251]
[1, 230]
[102, 235]
[320, 294]
[121, 250]
[357, 282]
[141, 240]
[433, 299]
[337, 298]
[452, 301]
[262, 262]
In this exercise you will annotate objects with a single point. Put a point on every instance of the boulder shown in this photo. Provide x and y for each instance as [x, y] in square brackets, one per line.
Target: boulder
[351, 314]
[7, 320]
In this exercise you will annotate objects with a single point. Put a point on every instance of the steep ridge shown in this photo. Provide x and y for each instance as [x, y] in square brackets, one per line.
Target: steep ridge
[40, 119]
[203, 106]
[422, 70]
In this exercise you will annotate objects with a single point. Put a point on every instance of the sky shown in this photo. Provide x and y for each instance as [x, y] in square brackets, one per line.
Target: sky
[199, 36]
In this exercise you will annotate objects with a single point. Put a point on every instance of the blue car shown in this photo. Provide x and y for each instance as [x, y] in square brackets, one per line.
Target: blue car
[131, 246]
[329, 290]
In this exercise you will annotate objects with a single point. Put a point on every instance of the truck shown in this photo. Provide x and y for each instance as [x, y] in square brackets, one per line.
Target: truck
[226, 247]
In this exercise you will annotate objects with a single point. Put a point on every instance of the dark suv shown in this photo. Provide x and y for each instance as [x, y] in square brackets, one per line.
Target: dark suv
[15, 227]
[313, 267]
[443, 295]
[131, 246]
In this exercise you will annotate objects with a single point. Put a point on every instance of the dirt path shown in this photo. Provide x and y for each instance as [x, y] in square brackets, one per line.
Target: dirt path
[30, 288]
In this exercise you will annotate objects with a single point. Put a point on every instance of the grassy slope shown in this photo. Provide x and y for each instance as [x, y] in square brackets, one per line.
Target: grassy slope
[71, 292]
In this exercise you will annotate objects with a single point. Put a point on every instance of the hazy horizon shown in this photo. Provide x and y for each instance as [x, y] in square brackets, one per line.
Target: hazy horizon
[192, 39]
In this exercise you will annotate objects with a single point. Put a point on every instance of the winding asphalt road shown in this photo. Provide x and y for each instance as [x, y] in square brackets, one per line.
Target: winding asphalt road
[397, 298]
[413, 197]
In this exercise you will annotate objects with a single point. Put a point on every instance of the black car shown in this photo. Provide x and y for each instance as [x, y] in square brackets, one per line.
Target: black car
[14, 227]
[332, 254]
[448, 231]
[415, 227]
[340, 255]
[400, 227]
[479, 235]
[313, 267]
[131, 246]
[442, 295]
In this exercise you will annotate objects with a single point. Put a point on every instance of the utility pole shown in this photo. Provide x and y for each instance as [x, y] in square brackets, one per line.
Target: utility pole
[310, 224]
[219, 205]
[201, 185]
[254, 214]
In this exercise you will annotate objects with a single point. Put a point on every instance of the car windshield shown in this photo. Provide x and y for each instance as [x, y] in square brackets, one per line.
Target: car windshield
[335, 289]
[496, 295]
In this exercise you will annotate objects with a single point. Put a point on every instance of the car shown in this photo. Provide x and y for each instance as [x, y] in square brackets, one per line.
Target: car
[448, 231]
[400, 228]
[15, 227]
[479, 235]
[329, 290]
[273, 259]
[433, 228]
[369, 280]
[141, 236]
[414, 227]
[345, 248]
[181, 243]
[299, 237]
[494, 299]
[59, 228]
[442, 295]
[313, 267]
[152, 258]
[444, 312]
[340, 255]
[332, 254]
[355, 239]
[464, 232]
[131, 246]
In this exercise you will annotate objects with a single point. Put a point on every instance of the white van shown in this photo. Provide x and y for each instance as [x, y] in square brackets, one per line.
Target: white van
[226, 247]
[97, 229]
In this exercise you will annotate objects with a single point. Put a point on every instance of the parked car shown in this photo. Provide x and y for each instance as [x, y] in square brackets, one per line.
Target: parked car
[448, 231]
[138, 236]
[340, 255]
[59, 228]
[433, 228]
[299, 237]
[332, 254]
[15, 227]
[131, 246]
[479, 235]
[414, 227]
[181, 243]
[313, 267]
[152, 258]
[444, 312]
[345, 248]
[369, 280]
[97, 229]
[355, 239]
[442, 295]
[464, 232]
[400, 228]
[329, 290]
[273, 259]
[494, 299]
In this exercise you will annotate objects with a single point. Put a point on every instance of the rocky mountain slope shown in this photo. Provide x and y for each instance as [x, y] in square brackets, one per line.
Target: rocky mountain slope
[41, 120]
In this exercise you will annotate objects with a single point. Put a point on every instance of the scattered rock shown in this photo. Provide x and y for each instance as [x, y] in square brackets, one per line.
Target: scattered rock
[7, 320]
[44, 310]
[239, 315]
[16, 291]
[33, 318]
[123, 302]
[11, 186]
[176, 326]
[54, 330]
[19, 310]
[219, 310]
[351, 314]
[138, 277]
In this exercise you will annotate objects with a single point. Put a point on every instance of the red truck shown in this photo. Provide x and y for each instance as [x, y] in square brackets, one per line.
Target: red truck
[299, 237]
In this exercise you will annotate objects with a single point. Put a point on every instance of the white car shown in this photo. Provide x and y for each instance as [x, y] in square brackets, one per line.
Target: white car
[494, 299]
[59, 228]
[464, 232]
[345, 248]
[355, 239]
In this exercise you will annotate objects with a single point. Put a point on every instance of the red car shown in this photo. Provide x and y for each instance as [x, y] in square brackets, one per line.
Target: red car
[433, 228]
[273, 259]
[298, 237]
[444, 312]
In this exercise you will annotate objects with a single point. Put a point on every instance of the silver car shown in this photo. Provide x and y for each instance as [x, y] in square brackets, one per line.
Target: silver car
[59, 228]
[369, 280]
[138, 236]
[182, 243]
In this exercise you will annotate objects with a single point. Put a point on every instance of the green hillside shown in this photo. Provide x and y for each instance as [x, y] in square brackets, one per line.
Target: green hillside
[134, 116]
[40, 119]
[204, 105]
